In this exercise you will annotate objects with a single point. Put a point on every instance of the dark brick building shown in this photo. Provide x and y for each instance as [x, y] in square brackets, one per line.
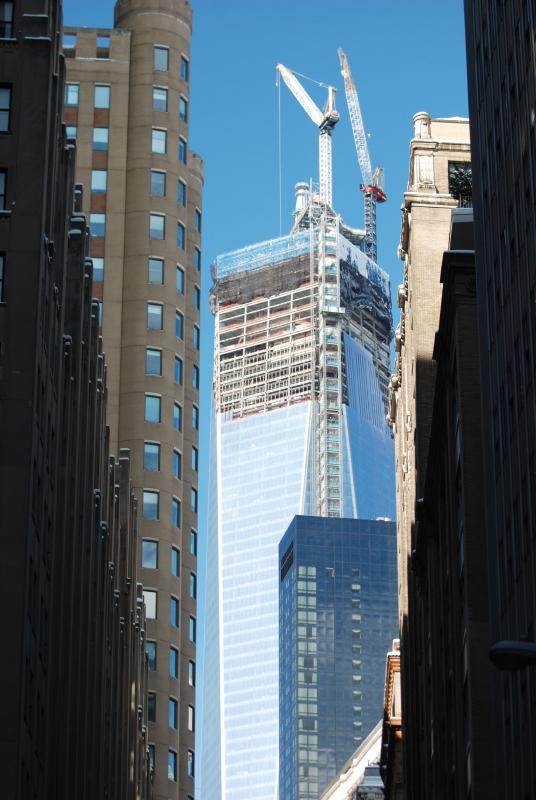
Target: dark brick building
[73, 671]
[502, 99]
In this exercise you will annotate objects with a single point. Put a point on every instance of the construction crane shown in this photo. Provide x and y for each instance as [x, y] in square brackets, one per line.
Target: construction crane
[372, 186]
[326, 121]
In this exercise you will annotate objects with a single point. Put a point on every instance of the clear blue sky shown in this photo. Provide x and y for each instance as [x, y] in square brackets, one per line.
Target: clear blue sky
[405, 57]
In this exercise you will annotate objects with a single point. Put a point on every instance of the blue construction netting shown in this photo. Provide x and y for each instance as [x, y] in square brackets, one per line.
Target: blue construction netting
[261, 254]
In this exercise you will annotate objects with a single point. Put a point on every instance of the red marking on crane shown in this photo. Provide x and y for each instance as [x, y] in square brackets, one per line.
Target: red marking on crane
[380, 196]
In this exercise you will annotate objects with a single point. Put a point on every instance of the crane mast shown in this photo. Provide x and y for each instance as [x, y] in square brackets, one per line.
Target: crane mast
[372, 186]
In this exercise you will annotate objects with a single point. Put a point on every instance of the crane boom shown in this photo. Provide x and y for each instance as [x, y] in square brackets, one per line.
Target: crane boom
[356, 119]
[301, 95]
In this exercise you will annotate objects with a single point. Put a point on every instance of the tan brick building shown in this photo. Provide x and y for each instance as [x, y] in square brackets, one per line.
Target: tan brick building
[127, 105]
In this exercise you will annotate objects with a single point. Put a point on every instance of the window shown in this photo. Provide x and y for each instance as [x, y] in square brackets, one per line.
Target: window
[157, 226]
[98, 269]
[193, 500]
[72, 93]
[97, 224]
[6, 20]
[190, 764]
[159, 99]
[153, 362]
[98, 180]
[191, 673]
[195, 377]
[149, 598]
[193, 542]
[158, 183]
[179, 280]
[150, 649]
[182, 150]
[152, 408]
[183, 109]
[177, 465]
[70, 131]
[102, 97]
[177, 417]
[193, 586]
[174, 612]
[155, 316]
[2, 275]
[159, 141]
[150, 509]
[69, 40]
[103, 43]
[195, 458]
[173, 713]
[197, 259]
[99, 312]
[197, 297]
[161, 58]
[156, 271]
[149, 554]
[175, 562]
[185, 69]
[195, 417]
[173, 662]
[100, 138]
[152, 756]
[172, 766]
[151, 457]
[181, 236]
[176, 512]
[191, 718]
[197, 221]
[197, 337]
[179, 325]
[151, 707]
[177, 371]
[181, 193]
[5, 108]
[192, 629]
[3, 180]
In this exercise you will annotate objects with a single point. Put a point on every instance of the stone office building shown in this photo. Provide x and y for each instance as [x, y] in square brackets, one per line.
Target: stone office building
[128, 107]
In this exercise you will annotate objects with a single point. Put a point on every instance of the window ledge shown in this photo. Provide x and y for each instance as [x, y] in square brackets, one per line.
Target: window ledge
[5, 212]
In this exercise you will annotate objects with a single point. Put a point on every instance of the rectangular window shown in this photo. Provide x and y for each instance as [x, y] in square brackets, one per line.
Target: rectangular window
[174, 612]
[5, 108]
[173, 662]
[177, 417]
[197, 337]
[103, 43]
[2, 276]
[190, 764]
[183, 109]
[197, 259]
[177, 371]
[195, 377]
[197, 221]
[152, 756]
[98, 269]
[72, 94]
[179, 325]
[177, 465]
[69, 40]
[153, 362]
[191, 718]
[152, 408]
[159, 141]
[195, 459]
[155, 316]
[191, 673]
[70, 131]
[158, 183]
[197, 297]
[97, 225]
[149, 598]
[151, 457]
[161, 58]
[150, 508]
[160, 99]
[179, 280]
[193, 500]
[176, 513]
[193, 586]
[192, 629]
[157, 226]
[99, 180]
[150, 649]
[102, 97]
[151, 707]
[173, 713]
[172, 766]
[149, 554]
[181, 236]
[156, 271]
[195, 417]
[175, 562]
[100, 138]
[181, 193]
[193, 543]
[185, 69]
[183, 147]
[6, 20]
[99, 312]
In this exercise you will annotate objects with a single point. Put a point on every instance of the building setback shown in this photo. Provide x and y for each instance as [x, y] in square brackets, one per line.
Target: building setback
[337, 616]
[502, 99]
[128, 106]
[74, 710]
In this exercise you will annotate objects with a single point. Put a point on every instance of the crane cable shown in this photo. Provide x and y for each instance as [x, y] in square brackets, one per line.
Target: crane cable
[279, 151]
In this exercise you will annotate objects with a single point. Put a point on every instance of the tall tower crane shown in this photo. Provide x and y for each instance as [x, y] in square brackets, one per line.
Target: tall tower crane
[372, 186]
[326, 121]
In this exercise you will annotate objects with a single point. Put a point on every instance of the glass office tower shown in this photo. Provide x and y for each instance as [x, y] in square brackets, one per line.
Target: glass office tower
[301, 369]
[337, 618]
